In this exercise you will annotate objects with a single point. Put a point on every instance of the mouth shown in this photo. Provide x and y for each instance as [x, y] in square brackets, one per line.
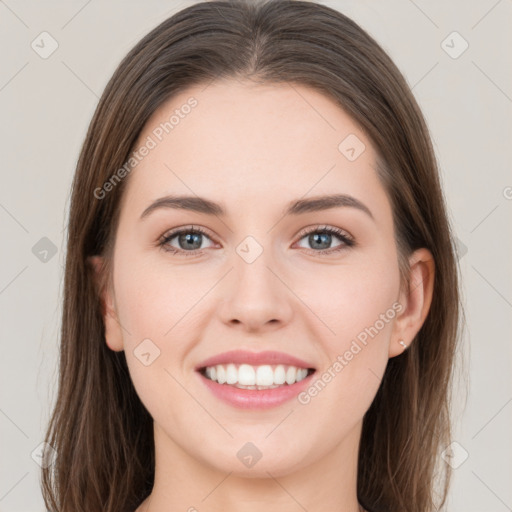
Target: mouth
[263, 377]
[250, 380]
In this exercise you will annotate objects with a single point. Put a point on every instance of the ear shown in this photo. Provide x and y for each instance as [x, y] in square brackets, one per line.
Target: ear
[113, 331]
[415, 301]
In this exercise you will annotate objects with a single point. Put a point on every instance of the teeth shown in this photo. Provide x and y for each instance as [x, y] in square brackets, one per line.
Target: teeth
[265, 376]
[221, 374]
[280, 375]
[255, 377]
[291, 375]
[231, 374]
[246, 375]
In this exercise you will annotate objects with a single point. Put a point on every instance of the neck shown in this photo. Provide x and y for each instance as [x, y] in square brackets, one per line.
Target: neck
[187, 484]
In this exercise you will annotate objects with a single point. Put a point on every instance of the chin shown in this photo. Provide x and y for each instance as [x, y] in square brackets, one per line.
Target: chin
[248, 463]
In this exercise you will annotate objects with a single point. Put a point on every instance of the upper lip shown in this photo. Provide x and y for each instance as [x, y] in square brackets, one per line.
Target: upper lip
[254, 358]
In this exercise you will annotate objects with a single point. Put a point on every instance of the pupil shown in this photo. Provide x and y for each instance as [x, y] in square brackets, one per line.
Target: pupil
[188, 238]
[325, 238]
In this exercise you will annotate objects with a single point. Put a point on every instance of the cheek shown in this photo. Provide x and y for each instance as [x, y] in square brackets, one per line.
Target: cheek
[155, 298]
[357, 303]
[349, 299]
[155, 305]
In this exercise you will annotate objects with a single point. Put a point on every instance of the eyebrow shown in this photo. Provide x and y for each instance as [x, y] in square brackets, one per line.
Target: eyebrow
[298, 207]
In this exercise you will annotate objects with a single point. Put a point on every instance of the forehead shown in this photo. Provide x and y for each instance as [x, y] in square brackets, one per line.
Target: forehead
[239, 141]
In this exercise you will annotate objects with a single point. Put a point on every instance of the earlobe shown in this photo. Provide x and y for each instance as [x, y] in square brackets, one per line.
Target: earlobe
[113, 332]
[416, 301]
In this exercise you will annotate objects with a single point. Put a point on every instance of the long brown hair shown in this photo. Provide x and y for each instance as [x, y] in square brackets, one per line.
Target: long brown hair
[102, 434]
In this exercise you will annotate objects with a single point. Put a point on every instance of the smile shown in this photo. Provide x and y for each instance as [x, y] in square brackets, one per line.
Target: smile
[255, 380]
[245, 376]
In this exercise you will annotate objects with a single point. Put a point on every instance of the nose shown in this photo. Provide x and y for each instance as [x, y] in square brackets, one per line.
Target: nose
[255, 297]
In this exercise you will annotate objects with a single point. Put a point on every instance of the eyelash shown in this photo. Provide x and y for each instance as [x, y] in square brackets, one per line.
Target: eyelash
[347, 240]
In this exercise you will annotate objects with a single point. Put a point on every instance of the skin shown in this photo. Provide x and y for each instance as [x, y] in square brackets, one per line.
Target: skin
[254, 149]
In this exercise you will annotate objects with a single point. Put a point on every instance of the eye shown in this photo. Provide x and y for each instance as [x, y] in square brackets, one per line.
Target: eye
[321, 238]
[189, 240]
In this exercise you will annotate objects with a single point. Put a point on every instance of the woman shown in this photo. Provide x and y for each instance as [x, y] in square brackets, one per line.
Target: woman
[261, 295]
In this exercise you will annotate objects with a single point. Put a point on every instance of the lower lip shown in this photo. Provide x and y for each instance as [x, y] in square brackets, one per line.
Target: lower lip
[254, 399]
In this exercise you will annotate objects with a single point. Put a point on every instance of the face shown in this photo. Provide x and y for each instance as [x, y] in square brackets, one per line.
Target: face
[303, 291]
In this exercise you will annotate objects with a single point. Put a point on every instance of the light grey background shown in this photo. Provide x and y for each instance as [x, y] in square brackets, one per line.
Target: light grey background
[45, 108]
